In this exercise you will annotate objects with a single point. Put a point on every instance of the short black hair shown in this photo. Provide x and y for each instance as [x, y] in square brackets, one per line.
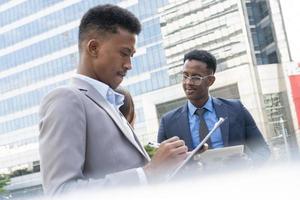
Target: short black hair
[108, 18]
[203, 56]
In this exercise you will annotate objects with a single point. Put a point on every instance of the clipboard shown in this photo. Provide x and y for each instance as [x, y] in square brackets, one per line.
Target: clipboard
[217, 125]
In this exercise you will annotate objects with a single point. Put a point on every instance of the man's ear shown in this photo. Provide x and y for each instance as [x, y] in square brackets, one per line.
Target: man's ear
[211, 80]
[93, 47]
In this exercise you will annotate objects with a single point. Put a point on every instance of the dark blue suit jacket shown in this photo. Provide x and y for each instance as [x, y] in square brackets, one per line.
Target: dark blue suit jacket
[239, 128]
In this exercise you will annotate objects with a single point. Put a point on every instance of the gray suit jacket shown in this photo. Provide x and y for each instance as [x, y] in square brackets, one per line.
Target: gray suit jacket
[84, 143]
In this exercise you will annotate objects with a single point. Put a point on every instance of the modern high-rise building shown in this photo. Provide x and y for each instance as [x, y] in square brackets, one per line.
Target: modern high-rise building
[249, 41]
[38, 52]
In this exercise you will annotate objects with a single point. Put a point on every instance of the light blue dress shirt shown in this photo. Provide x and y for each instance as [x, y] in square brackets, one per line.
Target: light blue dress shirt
[113, 98]
[211, 118]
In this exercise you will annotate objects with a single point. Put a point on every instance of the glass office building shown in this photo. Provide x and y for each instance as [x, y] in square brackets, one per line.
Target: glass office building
[38, 52]
[249, 42]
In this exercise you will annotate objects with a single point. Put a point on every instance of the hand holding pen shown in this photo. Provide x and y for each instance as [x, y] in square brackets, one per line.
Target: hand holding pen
[168, 155]
[153, 144]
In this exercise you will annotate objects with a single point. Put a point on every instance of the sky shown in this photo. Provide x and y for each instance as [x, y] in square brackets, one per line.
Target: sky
[291, 16]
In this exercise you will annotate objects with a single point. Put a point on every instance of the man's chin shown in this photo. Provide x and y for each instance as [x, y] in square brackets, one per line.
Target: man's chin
[116, 83]
[190, 96]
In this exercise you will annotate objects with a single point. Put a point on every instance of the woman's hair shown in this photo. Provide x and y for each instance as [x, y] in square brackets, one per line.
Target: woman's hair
[127, 109]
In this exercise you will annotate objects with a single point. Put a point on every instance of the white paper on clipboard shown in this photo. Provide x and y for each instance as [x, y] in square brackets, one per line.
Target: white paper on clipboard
[217, 125]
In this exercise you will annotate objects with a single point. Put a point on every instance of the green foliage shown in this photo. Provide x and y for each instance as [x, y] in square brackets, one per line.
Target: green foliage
[4, 180]
[150, 150]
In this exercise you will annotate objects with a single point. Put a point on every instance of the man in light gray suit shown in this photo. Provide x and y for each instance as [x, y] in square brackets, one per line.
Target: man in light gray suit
[84, 140]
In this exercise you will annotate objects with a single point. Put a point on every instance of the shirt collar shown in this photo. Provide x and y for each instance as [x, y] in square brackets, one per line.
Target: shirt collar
[116, 99]
[208, 106]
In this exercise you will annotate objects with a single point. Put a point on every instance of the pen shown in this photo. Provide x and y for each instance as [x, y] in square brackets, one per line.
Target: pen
[153, 144]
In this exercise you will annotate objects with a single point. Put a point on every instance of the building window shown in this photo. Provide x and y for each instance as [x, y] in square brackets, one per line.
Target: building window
[272, 58]
[276, 111]
[227, 92]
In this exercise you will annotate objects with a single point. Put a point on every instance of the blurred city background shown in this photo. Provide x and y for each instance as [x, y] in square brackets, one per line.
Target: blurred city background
[257, 63]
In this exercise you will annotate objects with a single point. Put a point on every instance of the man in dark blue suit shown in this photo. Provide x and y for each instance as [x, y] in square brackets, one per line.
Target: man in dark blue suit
[194, 119]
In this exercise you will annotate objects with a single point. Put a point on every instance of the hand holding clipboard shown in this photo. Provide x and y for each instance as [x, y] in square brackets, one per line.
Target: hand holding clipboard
[217, 125]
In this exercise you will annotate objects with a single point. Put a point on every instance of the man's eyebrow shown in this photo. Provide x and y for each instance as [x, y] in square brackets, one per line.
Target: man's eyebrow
[198, 75]
[192, 74]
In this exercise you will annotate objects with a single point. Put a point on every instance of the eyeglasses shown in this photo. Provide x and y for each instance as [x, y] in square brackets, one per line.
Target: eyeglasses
[195, 80]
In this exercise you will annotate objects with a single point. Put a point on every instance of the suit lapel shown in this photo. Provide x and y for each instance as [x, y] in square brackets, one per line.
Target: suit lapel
[222, 111]
[139, 143]
[183, 126]
[95, 96]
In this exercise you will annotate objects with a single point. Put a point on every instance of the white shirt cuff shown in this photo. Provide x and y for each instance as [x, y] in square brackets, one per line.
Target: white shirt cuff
[142, 176]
